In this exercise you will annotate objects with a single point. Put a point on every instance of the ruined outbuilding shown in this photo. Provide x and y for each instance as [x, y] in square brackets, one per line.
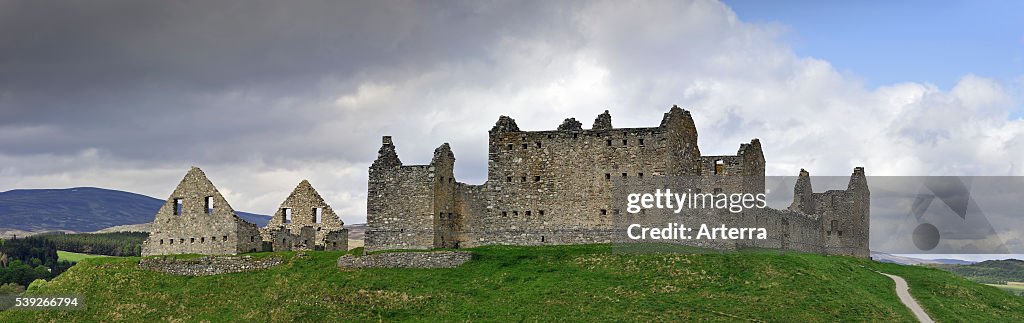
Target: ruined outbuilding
[304, 221]
[197, 219]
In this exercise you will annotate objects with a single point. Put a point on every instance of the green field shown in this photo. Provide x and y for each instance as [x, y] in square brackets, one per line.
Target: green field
[578, 283]
[1015, 289]
[75, 257]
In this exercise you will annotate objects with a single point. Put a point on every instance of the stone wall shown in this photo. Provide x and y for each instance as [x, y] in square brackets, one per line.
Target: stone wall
[400, 199]
[297, 226]
[197, 219]
[555, 187]
[206, 266]
[434, 259]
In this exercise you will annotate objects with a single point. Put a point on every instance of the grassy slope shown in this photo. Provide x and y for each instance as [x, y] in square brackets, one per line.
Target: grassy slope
[1009, 288]
[532, 283]
[74, 256]
[948, 297]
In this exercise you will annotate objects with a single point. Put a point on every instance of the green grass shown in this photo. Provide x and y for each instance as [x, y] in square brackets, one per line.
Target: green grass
[578, 283]
[1015, 289]
[74, 256]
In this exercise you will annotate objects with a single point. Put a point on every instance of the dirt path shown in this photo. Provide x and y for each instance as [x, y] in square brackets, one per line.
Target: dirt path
[903, 291]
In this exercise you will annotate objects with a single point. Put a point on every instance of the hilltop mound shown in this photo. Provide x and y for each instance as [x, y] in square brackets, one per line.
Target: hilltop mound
[583, 283]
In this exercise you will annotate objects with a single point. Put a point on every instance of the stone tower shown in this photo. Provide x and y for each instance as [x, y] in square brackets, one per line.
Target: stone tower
[409, 206]
[197, 219]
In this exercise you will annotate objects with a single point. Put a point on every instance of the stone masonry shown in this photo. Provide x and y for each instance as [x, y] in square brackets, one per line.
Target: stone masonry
[428, 260]
[556, 187]
[304, 221]
[197, 219]
[207, 265]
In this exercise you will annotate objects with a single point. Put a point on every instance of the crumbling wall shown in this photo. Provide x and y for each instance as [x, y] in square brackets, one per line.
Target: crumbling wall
[305, 221]
[399, 203]
[423, 260]
[197, 219]
[555, 187]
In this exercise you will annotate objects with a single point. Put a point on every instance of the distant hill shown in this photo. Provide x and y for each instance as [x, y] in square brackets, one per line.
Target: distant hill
[81, 209]
[903, 260]
[990, 271]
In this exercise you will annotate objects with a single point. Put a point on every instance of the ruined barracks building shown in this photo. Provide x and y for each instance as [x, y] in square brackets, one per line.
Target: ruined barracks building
[197, 219]
[557, 187]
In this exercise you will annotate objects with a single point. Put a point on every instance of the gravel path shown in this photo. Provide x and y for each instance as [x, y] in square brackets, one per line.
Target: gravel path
[903, 291]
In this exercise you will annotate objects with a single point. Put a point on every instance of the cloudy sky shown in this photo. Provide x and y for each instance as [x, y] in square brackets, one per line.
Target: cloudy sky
[128, 94]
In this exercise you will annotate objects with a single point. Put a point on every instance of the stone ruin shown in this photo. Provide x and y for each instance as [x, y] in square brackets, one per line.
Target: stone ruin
[556, 187]
[304, 221]
[196, 219]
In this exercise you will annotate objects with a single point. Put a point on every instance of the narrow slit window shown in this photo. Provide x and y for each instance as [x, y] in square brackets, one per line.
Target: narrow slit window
[609, 141]
[287, 213]
[536, 178]
[209, 205]
[640, 175]
[604, 212]
[318, 215]
[528, 213]
[541, 212]
[178, 206]
[526, 146]
[538, 144]
[625, 142]
[523, 179]
[641, 141]
[515, 213]
[607, 176]
[508, 179]
[509, 146]
[623, 175]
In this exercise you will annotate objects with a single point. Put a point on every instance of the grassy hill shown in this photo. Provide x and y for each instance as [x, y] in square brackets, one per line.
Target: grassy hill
[534, 284]
[81, 209]
[991, 271]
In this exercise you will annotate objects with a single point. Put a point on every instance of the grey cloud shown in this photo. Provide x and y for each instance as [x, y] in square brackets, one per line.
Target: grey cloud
[263, 93]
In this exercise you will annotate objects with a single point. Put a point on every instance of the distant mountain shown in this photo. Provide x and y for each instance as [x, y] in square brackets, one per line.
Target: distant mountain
[81, 209]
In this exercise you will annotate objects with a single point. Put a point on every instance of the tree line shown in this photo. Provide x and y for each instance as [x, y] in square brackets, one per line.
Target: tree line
[24, 260]
[121, 244]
